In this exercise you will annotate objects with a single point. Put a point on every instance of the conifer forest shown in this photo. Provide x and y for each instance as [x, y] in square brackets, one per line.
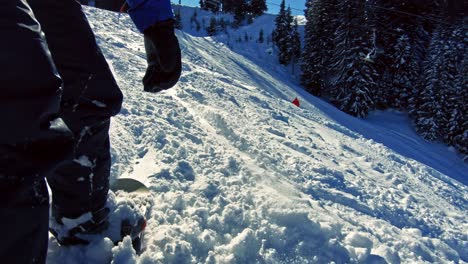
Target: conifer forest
[380, 54]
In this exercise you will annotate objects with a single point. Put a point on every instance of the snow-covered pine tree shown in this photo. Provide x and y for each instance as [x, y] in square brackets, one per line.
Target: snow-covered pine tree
[382, 23]
[229, 6]
[318, 44]
[295, 47]
[240, 11]
[458, 124]
[312, 65]
[404, 74]
[257, 7]
[178, 19]
[212, 28]
[460, 128]
[282, 33]
[261, 36]
[354, 79]
[211, 5]
[223, 24]
[442, 110]
[447, 93]
[429, 110]
[420, 30]
[194, 21]
[455, 105]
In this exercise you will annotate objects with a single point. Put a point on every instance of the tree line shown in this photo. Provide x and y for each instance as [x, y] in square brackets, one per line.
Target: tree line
[406, 55]
[241, 9]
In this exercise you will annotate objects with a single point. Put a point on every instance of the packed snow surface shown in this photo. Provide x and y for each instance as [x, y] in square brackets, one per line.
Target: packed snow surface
[238, 174]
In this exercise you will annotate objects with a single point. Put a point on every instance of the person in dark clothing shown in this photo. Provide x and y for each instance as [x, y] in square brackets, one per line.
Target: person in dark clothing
[57, 97]
[155, 19]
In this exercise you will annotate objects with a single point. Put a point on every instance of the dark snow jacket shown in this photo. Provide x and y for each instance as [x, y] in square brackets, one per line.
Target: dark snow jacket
[146, 13]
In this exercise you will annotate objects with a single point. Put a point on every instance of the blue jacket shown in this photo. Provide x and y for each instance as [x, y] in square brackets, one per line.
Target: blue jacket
[146, 13]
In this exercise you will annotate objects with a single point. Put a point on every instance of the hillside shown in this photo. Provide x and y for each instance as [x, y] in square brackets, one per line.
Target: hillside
[238, 174]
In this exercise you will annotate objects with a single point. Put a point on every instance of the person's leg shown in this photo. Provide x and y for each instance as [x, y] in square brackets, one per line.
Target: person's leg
[32, 139]
[90, 97]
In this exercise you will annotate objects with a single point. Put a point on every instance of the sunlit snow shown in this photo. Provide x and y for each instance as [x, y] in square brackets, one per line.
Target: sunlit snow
[238, 174]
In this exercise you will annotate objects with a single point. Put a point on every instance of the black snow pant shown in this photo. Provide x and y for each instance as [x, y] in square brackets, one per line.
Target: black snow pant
[34, 141]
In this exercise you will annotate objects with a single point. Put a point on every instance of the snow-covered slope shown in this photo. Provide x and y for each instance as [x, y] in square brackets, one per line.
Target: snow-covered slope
[238, 174]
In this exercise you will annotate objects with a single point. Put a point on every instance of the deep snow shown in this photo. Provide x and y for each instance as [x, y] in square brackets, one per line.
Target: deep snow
[238, 174]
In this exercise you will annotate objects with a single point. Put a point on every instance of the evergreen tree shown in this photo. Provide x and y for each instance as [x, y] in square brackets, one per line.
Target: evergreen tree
[240, 11]
[257, 7]
[447, 94]
[261, 37]
[229, 6]
[212, 28]
[459, 121]
[318, 43]
[178, 19]
[458, 124]
[295, 46]
[250, 19]
[223, 25]
[282, 34]
[353, 80]
[406, 26]
[455, 100]
[405, 74]
[429, 109]
[442, 109]
[386, 32]
[211, 5]
[194, 21]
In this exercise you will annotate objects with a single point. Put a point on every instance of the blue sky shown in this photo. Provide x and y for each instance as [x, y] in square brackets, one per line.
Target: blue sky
[297, 6]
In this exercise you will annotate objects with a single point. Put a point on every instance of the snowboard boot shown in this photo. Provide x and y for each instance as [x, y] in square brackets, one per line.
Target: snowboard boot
[73, 231]
[104, 222]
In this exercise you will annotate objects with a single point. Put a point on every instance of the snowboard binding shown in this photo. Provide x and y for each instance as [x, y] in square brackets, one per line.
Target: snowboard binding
[78, 234]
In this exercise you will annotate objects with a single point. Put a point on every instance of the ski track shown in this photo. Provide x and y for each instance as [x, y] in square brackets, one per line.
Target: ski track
[240, 175]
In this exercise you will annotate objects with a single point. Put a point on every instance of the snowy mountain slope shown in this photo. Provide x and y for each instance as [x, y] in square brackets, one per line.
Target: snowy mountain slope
[394, 131]
[240, 175]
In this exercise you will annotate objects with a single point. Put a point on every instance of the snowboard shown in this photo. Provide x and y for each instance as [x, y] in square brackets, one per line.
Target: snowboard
[136, 232]
[129, 185]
